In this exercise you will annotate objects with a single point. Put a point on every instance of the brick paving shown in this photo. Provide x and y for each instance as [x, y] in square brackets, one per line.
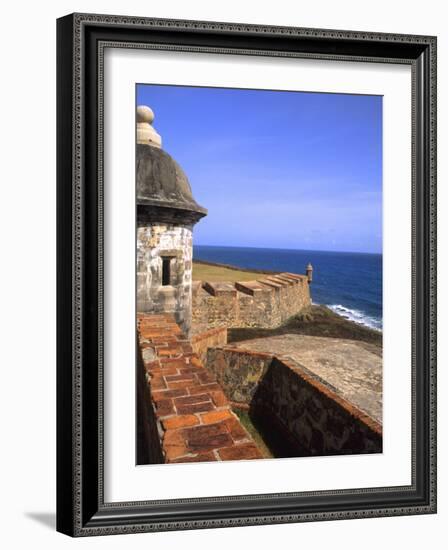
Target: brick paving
[194, 417]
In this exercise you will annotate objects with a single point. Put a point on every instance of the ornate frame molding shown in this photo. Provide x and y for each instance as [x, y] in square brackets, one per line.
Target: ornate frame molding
[82, 39]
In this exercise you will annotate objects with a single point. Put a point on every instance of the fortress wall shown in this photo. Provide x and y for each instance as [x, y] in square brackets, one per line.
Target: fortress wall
[214, 310]
[266, 303]
[260, 309]
[149, 446]
[207, 339]
[303, 414]
[238, 371]
[186, 416]
[310, 415]
[294, 296]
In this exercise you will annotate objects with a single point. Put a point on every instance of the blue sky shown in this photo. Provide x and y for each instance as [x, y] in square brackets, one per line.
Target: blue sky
[276, 169]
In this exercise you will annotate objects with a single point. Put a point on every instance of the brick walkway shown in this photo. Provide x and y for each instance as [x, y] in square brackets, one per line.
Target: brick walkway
[194, 418]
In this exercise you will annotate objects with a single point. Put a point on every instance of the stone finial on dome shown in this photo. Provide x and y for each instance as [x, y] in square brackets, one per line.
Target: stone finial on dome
[146, 134]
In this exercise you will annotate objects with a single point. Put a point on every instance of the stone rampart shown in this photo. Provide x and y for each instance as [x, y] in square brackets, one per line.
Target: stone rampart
[306, 415]
[265, 303]
[187, 417]
[238, 371]
[202, 340]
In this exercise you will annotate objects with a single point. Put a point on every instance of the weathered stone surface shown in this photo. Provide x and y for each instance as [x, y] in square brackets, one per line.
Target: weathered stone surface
[202, 339]
[199, 457]
[312, 407]
[220, 289]
[196, 287]
[242, 452]
[310, 415]
[146, 133]
[216, 416]
[191, 417]
[267, 302]
[180, 421]
[352, 368]
[153, 243]
[237, 372]
[250, 287]
[162, 183]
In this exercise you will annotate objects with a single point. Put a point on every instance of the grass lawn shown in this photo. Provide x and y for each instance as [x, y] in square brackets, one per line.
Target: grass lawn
[217, 273]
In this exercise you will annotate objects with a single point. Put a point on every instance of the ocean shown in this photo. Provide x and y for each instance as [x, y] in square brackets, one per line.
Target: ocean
[348, 283]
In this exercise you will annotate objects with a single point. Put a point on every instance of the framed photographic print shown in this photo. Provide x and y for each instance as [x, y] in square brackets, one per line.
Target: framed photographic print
[246, 274]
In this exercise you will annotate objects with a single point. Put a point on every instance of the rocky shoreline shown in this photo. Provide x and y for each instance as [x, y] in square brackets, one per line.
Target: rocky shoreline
[317, 320]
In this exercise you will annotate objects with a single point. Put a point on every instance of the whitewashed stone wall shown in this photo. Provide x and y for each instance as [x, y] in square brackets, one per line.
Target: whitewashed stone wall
[154, 242]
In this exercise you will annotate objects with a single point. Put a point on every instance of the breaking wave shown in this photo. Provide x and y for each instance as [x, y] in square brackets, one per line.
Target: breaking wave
[357, 316]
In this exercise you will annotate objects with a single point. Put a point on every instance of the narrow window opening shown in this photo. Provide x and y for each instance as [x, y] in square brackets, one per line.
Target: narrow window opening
[166, 271]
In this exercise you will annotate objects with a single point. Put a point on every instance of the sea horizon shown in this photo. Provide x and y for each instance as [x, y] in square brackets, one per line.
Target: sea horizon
[349, 283]
[294, 249]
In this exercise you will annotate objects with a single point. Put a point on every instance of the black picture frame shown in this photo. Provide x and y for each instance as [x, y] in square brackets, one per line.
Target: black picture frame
[81, 40]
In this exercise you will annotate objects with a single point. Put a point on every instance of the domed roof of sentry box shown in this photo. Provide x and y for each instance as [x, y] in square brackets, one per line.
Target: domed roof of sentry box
[163, 190]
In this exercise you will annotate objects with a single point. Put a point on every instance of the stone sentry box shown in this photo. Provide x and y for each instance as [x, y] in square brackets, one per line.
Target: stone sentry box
[166, 214]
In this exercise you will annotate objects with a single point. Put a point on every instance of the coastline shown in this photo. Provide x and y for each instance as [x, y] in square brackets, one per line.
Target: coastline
[320, 320]
[317, 320]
